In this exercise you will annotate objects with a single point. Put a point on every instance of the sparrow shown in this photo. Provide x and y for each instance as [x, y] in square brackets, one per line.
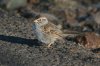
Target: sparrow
[47, 32]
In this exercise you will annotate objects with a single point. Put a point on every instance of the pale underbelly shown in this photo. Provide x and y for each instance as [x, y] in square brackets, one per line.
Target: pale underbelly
[45, 38]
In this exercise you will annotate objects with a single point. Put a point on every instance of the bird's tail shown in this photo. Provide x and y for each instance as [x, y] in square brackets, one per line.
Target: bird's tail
[67, 33]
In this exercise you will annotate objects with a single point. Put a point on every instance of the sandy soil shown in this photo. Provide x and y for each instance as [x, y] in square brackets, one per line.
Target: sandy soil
[18, 47]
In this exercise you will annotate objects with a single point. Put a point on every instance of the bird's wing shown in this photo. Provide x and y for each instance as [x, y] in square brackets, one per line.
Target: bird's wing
[52, 29]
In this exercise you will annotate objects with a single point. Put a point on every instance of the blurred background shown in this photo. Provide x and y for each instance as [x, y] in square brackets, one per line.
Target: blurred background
[17, 44]
[79, 15]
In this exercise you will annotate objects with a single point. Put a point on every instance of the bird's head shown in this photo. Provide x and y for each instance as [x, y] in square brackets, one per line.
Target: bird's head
[41, 21]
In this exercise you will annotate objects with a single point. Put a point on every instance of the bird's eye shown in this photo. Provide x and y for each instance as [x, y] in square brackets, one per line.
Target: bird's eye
[39, 20]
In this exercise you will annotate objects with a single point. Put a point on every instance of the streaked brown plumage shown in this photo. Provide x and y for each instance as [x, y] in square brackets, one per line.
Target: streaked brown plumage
[48, 32]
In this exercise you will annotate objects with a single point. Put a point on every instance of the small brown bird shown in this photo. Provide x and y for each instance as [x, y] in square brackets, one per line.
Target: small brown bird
[47, 32]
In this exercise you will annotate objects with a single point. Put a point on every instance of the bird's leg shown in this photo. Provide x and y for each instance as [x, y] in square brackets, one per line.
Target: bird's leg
[49, 45]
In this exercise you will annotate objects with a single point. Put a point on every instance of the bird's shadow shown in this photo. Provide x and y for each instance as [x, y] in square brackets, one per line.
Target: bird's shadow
[18, 40]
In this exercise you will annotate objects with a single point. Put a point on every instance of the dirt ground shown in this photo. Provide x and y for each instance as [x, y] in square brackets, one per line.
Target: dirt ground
[19, 48]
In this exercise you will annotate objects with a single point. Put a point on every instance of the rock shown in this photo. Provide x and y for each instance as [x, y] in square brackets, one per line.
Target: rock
[13, 4]
[97, 18]
[90, 40]
[66, 4]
